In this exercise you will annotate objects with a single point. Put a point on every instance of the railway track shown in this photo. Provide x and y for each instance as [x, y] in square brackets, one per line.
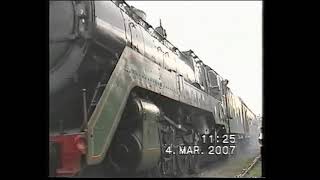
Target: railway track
[208, 166]
[252, 164]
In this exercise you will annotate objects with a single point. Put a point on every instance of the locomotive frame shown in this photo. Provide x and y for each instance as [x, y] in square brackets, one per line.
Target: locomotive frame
[140, 93]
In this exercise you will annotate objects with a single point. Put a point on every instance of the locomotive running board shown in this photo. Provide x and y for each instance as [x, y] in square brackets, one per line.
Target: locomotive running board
[107, 114]
[134, 70]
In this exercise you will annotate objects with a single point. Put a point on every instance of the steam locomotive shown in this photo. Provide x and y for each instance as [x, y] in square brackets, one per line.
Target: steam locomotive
[121, 93]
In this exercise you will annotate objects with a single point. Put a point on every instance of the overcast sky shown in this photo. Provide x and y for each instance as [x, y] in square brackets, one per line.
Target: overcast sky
[226, 35]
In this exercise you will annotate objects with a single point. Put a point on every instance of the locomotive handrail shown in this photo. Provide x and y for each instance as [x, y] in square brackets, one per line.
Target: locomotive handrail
[164, 40]
[147, 27]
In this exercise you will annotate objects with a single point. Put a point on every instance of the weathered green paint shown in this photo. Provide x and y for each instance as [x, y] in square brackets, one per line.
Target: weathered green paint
[105, 118]
[234, 108]
[133, 69]
[150, 140]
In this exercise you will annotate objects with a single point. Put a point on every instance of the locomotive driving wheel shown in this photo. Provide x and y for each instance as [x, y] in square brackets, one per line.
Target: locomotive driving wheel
[195, 159]
[182, 159]
[167, 164]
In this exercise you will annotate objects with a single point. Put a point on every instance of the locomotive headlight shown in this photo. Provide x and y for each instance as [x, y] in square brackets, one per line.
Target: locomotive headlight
[81, 13]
